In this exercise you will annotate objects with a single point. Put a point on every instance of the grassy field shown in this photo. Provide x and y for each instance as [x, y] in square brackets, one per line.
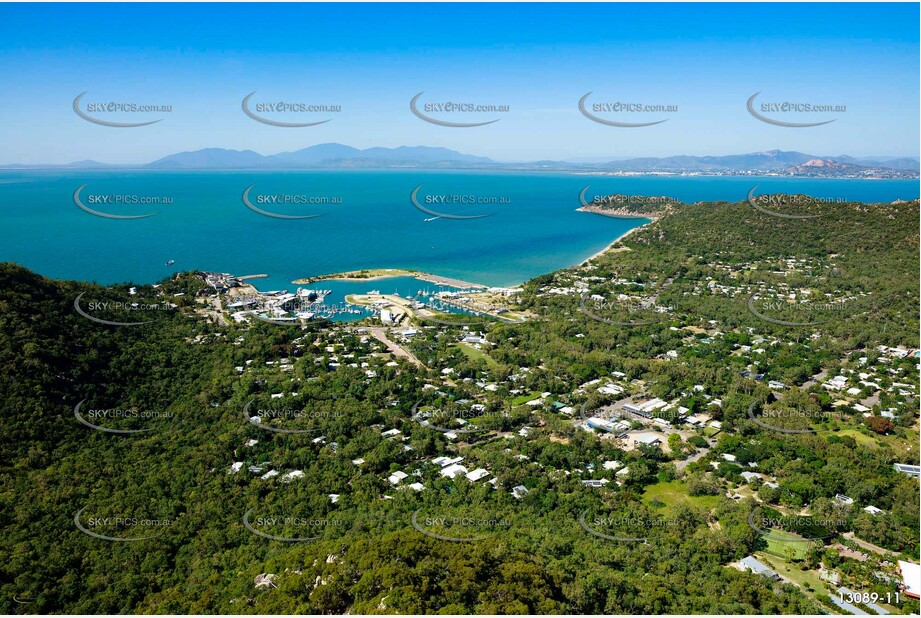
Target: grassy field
[804, 579]
[779, 547]
[473, 354]
[859, 437]
[674, 493]
[523, 399]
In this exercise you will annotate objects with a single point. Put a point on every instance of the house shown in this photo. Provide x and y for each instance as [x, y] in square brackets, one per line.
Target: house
[453, 470]
[519, 491]
[595, 483]
[475, 475]
[265, 580]
[909, 469]
[611, 389]
[911, 578]
[646, 408]
[447, 461]
[396, 477]
[599, 423]
[648, 439]
[844, 499]
[832, 577]
[750, 563]
[836, 384]
[872, 510]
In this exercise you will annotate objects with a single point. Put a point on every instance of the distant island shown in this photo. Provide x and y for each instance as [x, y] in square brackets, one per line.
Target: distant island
[339, 156]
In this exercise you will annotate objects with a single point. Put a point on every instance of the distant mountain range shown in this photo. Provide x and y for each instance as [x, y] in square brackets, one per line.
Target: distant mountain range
[339, 156]
[321, 155]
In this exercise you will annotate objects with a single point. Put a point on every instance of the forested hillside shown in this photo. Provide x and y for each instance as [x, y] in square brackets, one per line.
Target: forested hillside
[170, 504]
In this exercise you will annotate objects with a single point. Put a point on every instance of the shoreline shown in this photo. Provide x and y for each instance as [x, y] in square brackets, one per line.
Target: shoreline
[450, 281]
[379, 274]
[614, 242]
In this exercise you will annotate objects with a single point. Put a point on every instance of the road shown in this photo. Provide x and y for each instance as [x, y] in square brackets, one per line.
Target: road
[381, 335]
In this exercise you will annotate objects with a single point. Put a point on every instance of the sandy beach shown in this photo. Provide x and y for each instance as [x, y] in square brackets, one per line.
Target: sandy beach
[614, 242]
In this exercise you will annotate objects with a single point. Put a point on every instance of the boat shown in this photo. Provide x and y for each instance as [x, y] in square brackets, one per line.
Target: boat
[170, 262]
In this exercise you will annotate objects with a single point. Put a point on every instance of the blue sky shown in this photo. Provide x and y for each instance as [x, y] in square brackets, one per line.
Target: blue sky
[538, 59]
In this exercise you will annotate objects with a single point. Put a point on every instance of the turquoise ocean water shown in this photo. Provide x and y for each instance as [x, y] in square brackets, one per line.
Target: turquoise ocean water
[533, 227]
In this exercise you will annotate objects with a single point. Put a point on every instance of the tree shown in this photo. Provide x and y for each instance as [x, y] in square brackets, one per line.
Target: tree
[880, 424]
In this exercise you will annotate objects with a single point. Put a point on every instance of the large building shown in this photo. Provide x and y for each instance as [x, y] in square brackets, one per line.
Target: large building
[909, 469]
[911, 578]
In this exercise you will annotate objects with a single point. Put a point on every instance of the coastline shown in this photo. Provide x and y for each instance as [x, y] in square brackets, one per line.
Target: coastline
[615, 241]
[379, 274]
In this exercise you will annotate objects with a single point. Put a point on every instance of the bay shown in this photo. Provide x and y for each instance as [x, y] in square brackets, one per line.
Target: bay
[368, 221]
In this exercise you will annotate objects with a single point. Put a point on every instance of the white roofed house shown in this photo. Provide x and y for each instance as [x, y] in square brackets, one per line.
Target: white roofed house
[453, 470]
[396, 477]
[476, 475]
[750, 563]
[911, 578]
[647, 439]
[519, 491]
